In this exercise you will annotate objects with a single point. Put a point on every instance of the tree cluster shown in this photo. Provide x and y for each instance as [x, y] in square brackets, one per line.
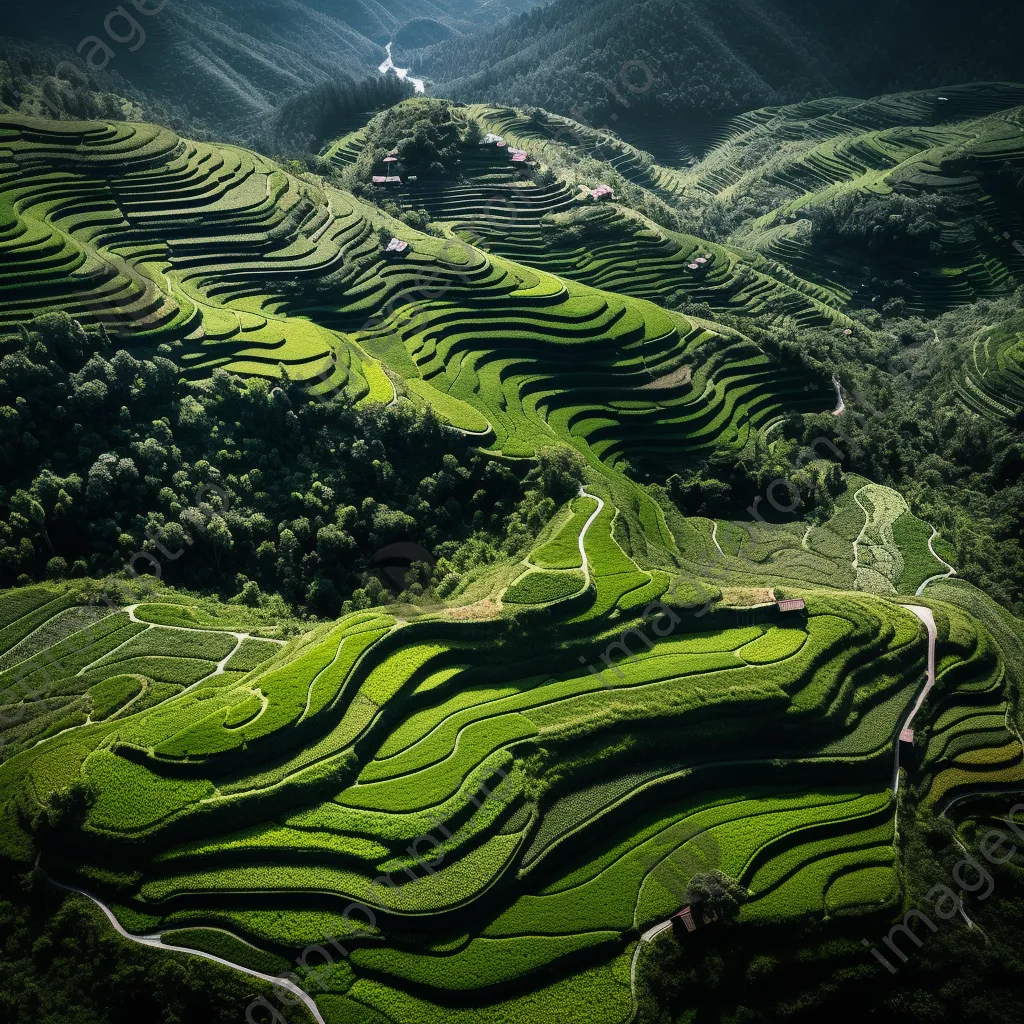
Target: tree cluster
[427, 135]
[238, 487]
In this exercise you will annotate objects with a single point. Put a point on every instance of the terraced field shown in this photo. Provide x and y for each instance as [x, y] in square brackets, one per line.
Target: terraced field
[993, 381]
[872, 542]
[911, 144]
[797, 157]
[973, 745]
[86, 229]
[622, 251]
[383, 785]
[71, 658]
[394, 768]
[484, 807]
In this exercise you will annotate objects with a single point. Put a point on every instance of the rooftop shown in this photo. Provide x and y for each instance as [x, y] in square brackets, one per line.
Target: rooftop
[693, 921]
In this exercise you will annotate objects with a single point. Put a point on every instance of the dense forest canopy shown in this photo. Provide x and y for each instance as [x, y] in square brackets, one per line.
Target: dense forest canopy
[678, 57]
[106, 454]
[227, 65]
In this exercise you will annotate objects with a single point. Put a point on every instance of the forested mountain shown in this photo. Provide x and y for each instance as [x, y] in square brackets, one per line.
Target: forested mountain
[226, 62]
[680, 56]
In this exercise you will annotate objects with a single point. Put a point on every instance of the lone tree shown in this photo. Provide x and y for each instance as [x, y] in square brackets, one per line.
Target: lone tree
[716, 894]
[559, 471]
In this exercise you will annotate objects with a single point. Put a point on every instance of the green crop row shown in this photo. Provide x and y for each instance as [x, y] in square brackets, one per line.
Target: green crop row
[130, 798]
[543, 587]
[773, 646]
[449, 886]
[113, 693]
[563, 551]
[15, 604]
[185, 671]
[482, 963]
[911, 536]
[227, 947]
[252, 653]
[159, 641]
[614, 890]
[598, 993]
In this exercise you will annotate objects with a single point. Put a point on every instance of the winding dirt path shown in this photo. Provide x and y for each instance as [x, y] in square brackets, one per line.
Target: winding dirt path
[925, 615]
[648, 936]
[714, 537]
[867, 520]
[840, 401]
[938, 558]
[583, 533]
[154, 942]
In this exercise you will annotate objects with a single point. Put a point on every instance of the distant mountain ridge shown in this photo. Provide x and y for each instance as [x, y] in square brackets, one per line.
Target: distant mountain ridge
[227, 61]
[720, 58]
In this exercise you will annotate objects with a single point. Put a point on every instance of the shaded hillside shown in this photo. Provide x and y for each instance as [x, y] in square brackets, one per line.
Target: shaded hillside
[682, 55]
[226, 62]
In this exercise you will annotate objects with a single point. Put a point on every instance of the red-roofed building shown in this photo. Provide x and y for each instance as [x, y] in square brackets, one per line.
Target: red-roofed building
[391, 159]
[692, 920]
[378, 179]
[396, 248]
[792, 604]
[907, 736]
[519, 158]
[602, 192]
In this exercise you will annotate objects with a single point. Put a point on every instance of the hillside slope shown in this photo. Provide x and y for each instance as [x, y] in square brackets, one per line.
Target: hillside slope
[679, 57]
[489, 796]
[229, 61]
